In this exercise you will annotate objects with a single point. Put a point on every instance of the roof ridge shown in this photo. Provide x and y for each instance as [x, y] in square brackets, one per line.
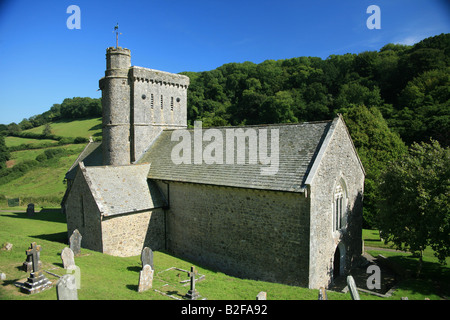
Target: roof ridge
[257, 125]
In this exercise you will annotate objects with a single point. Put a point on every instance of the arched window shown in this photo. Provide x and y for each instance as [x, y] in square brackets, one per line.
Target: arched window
[340, 206]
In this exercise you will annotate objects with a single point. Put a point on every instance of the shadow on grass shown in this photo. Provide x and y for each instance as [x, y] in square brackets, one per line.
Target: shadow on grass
[60, 237]
[53, 215]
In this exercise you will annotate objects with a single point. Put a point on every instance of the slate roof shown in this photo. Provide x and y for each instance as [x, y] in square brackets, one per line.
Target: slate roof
[298, 147]
[122, 189]
[91, 156]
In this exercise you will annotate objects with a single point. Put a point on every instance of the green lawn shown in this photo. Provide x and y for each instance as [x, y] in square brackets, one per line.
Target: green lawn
[106, 277]
[75, 128]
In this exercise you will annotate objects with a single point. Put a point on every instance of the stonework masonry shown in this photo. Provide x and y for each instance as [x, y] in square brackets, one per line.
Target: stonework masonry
[138, 103]
[126, 235]
[242, 232]
[339, 162]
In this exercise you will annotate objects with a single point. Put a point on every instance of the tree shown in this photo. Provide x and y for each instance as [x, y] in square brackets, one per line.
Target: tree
[414, 207]
[4, 152]
[376, 145]
[47, 131]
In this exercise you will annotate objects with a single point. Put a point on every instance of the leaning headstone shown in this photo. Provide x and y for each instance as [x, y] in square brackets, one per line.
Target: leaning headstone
[261, 296]
[66, 288]
[352, 286]
[145, 278]
[323, 294]
[75, 242]
[67, 258]
[147, 257]
[37, 282]
[30, 209]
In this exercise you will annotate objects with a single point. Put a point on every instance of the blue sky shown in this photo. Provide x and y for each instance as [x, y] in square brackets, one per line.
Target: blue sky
[42, 61]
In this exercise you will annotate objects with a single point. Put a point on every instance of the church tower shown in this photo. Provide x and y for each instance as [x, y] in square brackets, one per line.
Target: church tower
[138, 103]
[116, 107]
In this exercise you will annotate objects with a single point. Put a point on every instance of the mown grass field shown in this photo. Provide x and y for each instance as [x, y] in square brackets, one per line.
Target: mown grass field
[16, 141]
[75, 128]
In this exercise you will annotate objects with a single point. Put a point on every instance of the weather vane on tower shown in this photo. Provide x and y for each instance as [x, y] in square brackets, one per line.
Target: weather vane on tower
[116, 29]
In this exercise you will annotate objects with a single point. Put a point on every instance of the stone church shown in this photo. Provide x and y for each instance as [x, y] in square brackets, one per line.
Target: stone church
[299, 224]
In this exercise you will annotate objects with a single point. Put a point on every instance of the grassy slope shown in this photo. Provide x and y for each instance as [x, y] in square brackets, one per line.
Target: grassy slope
[15, 141]
[76, 128]
[48, 181]
[42, 181]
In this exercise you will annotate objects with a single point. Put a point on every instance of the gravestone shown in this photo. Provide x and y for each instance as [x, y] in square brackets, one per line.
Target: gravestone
[75, 242]
[66, 288]
[323, 294]
[2, 276]
[27, 266]
[352, 286]
[67, 258]
[147, 257]
[261, 296]
[37, 282]
[30, 209]
[192, 293]
[145, 278]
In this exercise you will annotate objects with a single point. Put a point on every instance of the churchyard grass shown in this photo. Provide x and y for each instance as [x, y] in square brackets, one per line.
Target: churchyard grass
[104, 277]
[107, 277]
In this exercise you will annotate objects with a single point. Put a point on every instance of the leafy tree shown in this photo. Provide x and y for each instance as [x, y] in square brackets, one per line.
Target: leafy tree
[4, 152]
[376, 145]
[414, 201]
[47, 131]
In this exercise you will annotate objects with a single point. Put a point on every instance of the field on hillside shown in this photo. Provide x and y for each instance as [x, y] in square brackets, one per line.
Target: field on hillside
[16, 141]
[75, 128]
[43, 184]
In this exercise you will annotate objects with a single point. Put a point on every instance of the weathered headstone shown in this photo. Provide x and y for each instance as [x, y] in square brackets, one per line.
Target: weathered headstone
[192, 293]
[67, 258]
[66, 288]
[30, 209]
[352, 286]
[2, 276]
[37, 282]
[75, 242]
[323, 294]
[261, 296]
[145, 278]
[147, 257]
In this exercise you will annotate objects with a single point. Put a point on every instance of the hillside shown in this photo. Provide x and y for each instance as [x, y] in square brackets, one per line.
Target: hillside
[42, 182]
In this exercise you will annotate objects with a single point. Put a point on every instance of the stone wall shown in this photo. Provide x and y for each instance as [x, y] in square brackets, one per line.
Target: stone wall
[248, 233]
[127, 234]
[338, 162]
[158, 101]
[82, 214]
